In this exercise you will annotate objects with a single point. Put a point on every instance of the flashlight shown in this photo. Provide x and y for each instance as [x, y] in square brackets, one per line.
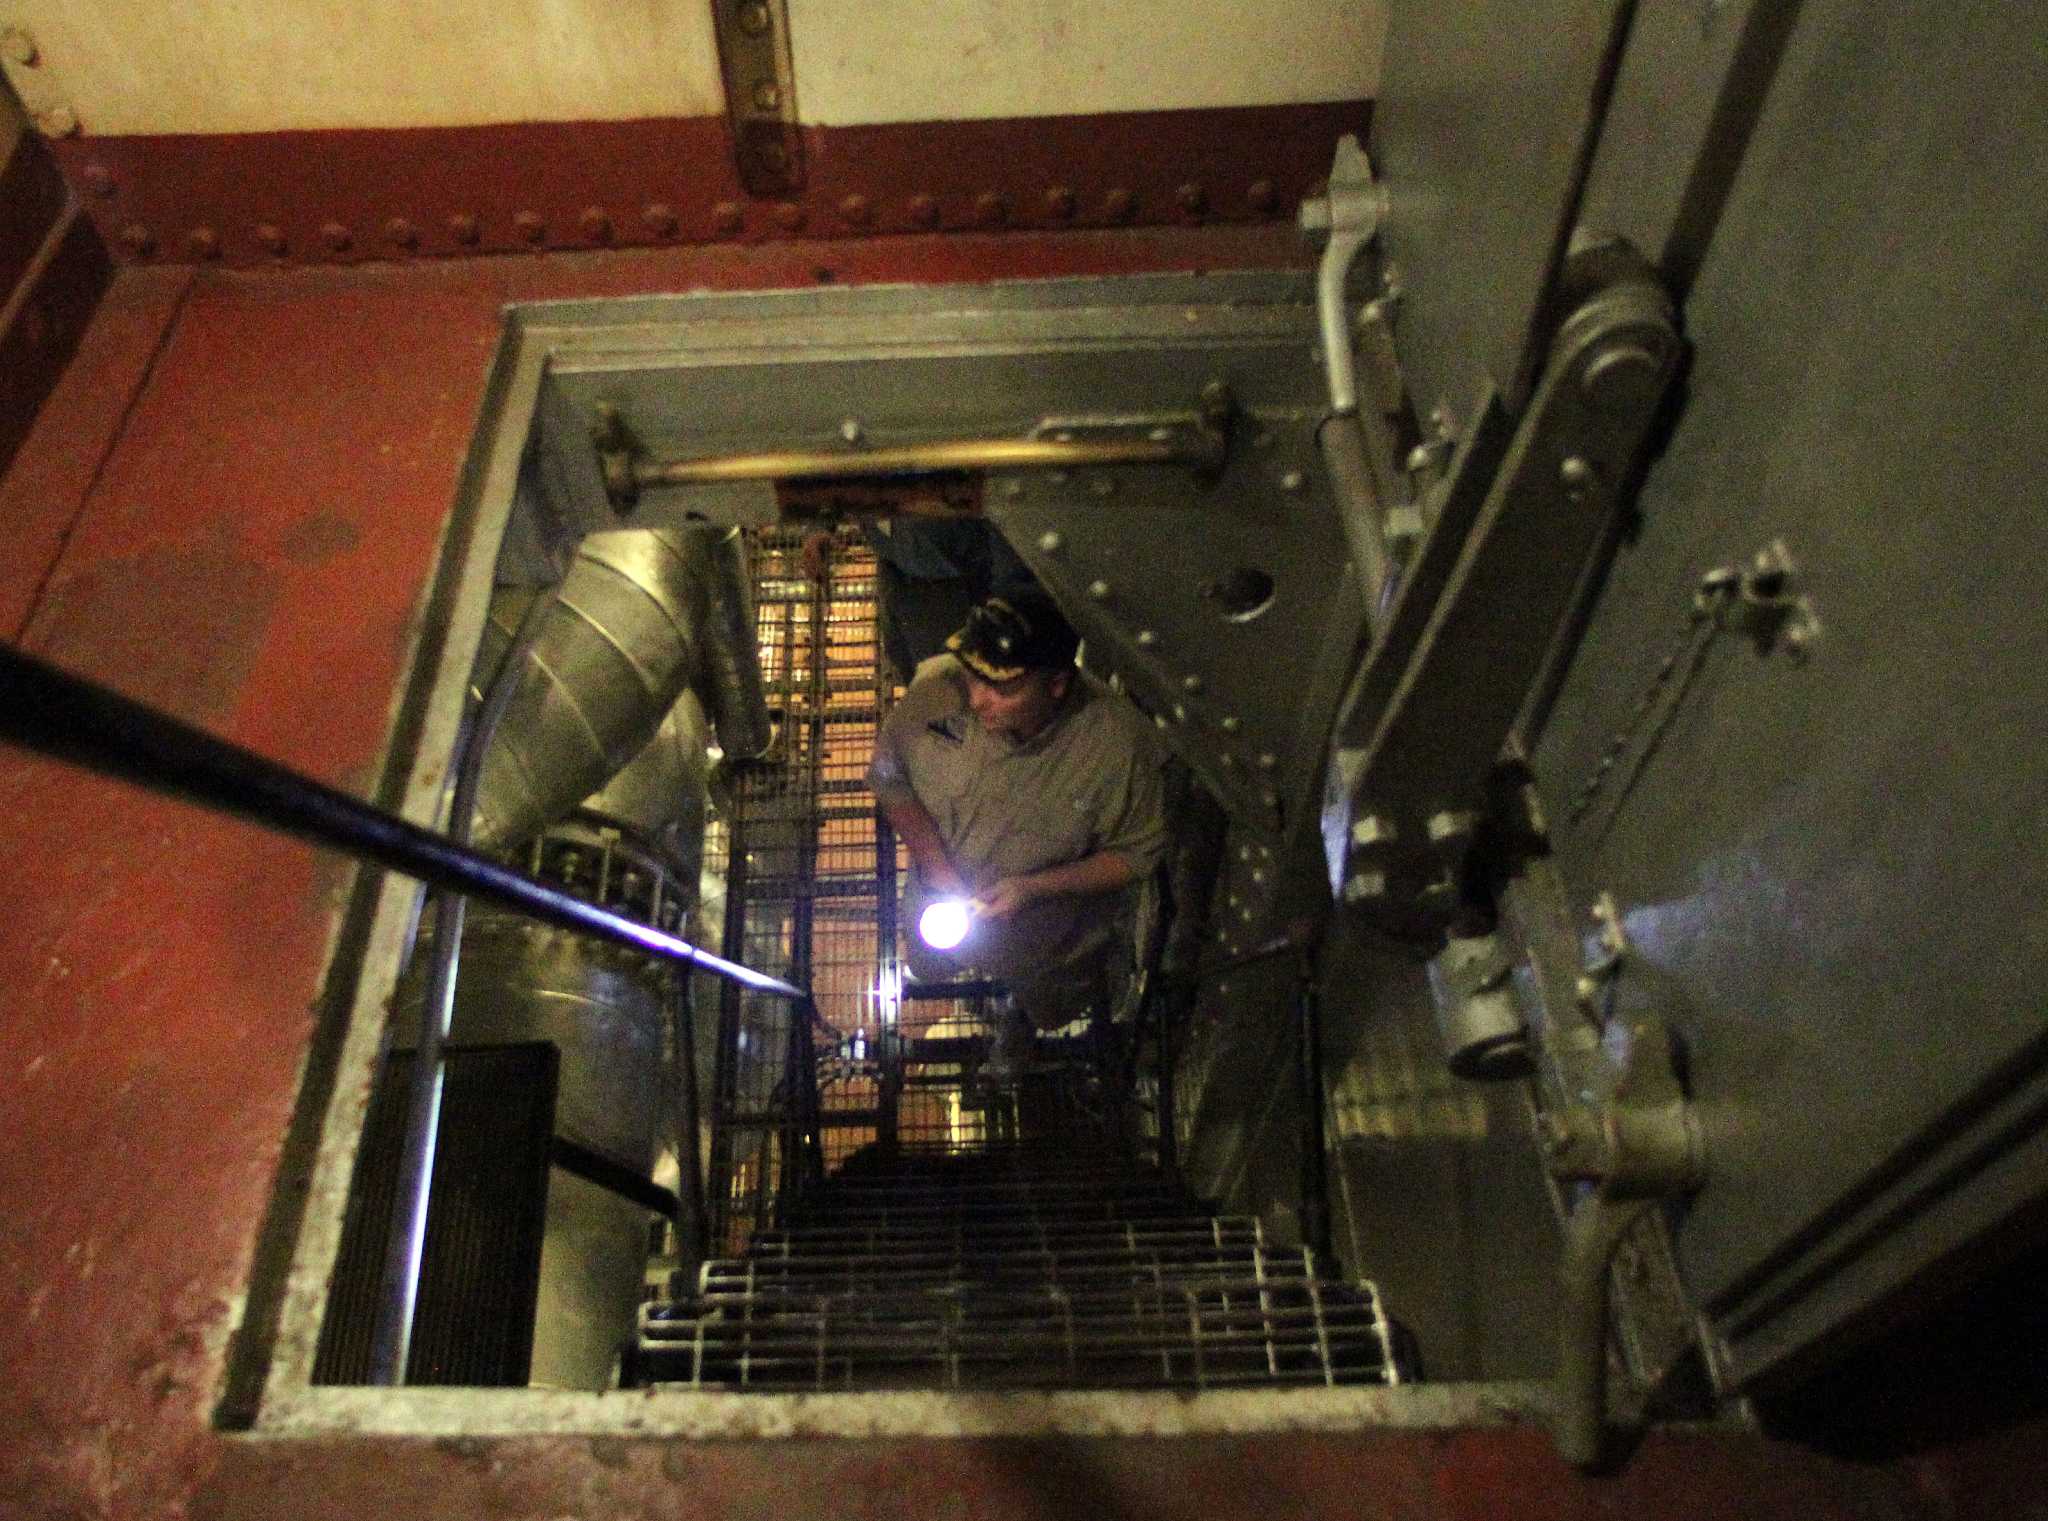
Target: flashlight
[945, 923]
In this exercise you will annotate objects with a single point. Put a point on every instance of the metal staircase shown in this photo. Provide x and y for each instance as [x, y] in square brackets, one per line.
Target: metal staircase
[1021, 1266]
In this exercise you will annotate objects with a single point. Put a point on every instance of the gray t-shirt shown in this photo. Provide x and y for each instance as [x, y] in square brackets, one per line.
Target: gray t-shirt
[1088, 782]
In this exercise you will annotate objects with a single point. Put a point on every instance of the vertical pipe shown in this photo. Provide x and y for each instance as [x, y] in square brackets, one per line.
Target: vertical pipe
[398, 1298]
[1315, 1182]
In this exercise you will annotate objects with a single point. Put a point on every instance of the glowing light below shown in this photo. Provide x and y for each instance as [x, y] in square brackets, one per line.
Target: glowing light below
[944, 925]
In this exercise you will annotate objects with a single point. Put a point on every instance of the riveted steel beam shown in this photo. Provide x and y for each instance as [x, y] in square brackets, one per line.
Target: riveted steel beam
[760, 94]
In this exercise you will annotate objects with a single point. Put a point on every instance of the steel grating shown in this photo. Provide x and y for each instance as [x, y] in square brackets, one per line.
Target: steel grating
[1012, 1268]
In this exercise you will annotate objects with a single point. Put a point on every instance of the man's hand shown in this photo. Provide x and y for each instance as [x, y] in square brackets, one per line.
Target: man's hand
[1006, 898]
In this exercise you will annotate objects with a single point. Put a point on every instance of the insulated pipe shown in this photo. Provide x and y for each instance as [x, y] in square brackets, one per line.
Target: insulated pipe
[71, 719]
[405, 1243]
[734, 693]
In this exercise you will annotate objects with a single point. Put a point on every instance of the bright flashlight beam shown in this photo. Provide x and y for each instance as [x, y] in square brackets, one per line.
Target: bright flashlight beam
[945, 924]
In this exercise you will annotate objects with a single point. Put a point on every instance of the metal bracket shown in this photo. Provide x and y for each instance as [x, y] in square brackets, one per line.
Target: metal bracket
[760, 94]
[1428, 716]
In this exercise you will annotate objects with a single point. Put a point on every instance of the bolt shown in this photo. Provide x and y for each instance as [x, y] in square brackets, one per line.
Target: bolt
[1246, 914]
[727, 218]
[1420, 458]
[767, 96]
[1259, 196]
[851, 430]
[1451, 824]
[530, 226]
[1587, 988]
[337, 237]
[1180, 714]
[98, 179]
[1621, 376]
[1060, 202]
[1268, 760]
[856, 211]
[138, 240]
[1292, 481]
[19, 47]
[1192, 198]
[270, 237]
[1231, 724]
[923, 210]
[1119, 205]
[1191, 684]
[402, 233]
[58, 121]
[203, 243]
[1373, 830]
[1365, 887]
[1099, 590]
[789, 216]
[754, 18]
[1050, 542]
[1578, 477]
[1227, 761]
[990, 209]
[1147, 639]
[660, 218]
[465, 229]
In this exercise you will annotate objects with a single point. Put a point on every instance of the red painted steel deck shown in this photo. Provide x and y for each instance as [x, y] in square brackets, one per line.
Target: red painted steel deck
[230, 508]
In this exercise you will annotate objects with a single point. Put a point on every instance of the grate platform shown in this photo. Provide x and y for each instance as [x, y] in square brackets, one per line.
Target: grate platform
[1012, 1269]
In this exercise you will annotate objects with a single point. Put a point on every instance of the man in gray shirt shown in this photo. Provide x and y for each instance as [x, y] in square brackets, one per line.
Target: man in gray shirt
[1020, 783]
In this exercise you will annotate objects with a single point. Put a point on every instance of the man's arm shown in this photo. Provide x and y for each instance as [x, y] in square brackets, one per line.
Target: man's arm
[1106, 871]
[914, 827]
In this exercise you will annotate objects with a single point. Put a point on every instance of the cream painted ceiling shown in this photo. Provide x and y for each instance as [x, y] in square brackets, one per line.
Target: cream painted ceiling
[211, 66]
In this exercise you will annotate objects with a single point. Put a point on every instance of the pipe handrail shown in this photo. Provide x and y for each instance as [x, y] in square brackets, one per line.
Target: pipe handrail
[69, 718]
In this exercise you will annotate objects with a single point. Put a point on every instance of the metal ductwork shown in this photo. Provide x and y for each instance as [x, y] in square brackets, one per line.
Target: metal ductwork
[641, 615]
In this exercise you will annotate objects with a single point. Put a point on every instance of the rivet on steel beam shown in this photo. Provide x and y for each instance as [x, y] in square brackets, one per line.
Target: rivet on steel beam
[337, 237]
[1051, 543]
[789, 216]
[856, 211]
[98, 179]
[727, 218]
[1292, 481]
[1191, 684]
[1231, 724]
[1099, 590]
[530, 226]
[270, 238]
[465, 229]
[1013, 487]
[1260, 197]
[1120, 204]
[57, 121]
[1227, 761]
[1268, 760]
[203, 243]
[1193, 199]
[402, 233]
[767, 96]
[1061, 202]
[19, 47]
[924, 211]
[851, 430]
[1578, 477]
[991, 209]
[1180, 713]
[1147, 639]
[754, 18]
[596, 223]
[138, 240]
[660, 218]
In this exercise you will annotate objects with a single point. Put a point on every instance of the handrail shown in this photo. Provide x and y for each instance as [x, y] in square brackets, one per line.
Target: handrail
[68, 718]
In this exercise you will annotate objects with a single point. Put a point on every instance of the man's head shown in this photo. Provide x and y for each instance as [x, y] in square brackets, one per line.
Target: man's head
[1018, 656]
